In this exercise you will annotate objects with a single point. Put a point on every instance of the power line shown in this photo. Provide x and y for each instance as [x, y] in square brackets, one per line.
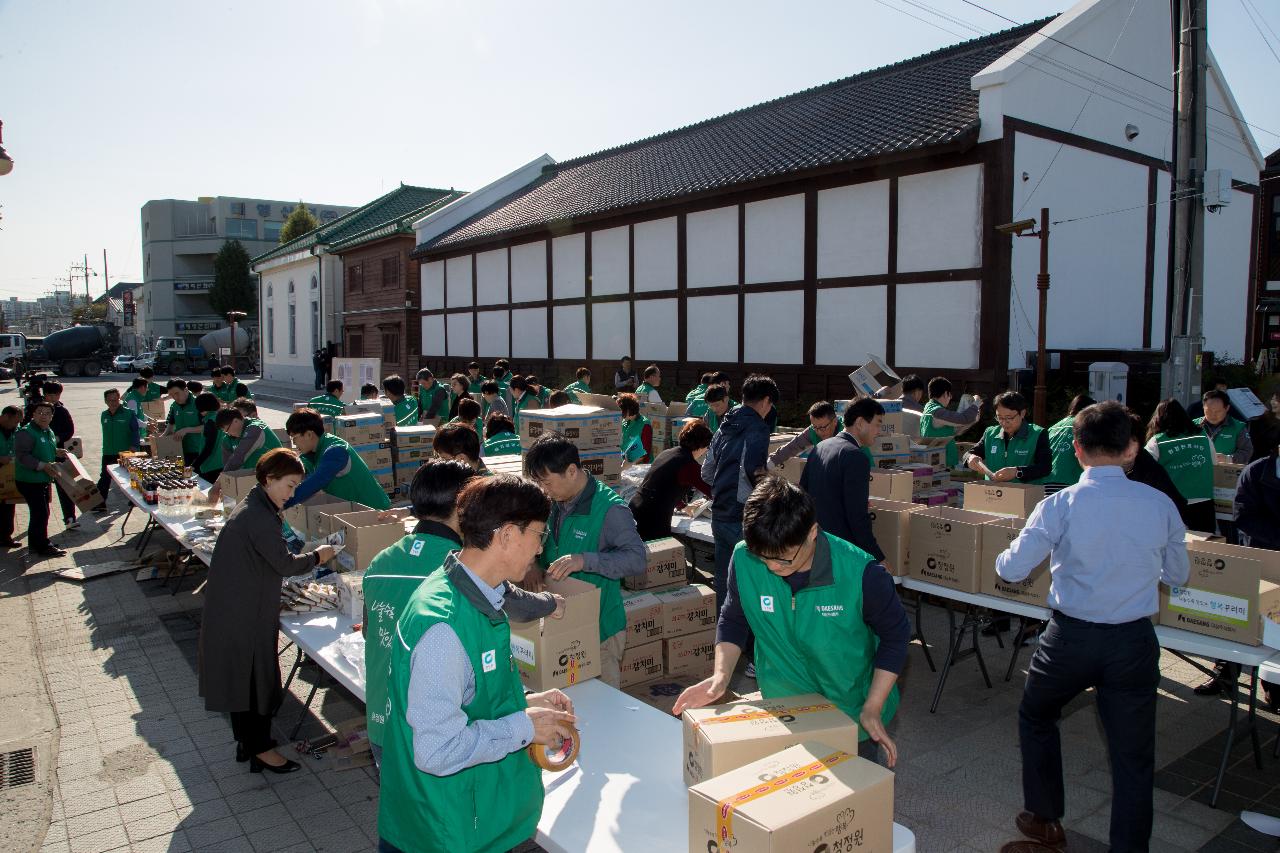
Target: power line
[1176, 197]
[1248, 12]
[1258, 12]
[885, 4]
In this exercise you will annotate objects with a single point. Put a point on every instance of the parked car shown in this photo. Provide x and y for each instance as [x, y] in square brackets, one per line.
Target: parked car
[122, 364]
[146, 359]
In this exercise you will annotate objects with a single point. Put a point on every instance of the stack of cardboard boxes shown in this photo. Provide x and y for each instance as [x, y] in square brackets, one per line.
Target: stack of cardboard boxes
[595, 430]
[560, 652]
[367, 435]
[670, 623]
[411, 448]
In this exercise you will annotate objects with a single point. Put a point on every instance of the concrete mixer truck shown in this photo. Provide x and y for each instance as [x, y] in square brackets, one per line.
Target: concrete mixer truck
[174, 358]
[77, 351]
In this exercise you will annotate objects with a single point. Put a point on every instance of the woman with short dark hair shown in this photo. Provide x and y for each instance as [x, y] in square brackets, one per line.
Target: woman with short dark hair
[671, 479]
[238, 667]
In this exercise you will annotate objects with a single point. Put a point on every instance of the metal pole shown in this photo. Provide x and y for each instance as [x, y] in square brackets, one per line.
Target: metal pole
[232, 318]
[87, 300]
[106, 279]
[1042, 285]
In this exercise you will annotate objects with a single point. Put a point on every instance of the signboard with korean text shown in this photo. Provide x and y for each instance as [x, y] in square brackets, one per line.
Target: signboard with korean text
[354, 372]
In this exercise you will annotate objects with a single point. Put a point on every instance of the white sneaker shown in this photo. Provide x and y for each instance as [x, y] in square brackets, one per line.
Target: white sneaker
[751, 671]
[71, 523]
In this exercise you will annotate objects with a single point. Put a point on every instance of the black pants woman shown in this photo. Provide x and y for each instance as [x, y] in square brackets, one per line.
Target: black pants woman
[239, 670]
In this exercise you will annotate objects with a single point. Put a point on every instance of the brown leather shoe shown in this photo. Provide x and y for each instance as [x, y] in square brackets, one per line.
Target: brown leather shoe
[1047, 832]
[1025, 846]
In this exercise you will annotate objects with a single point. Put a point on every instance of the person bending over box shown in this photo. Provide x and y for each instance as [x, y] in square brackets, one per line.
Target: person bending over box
[332, 465]
[330, 402]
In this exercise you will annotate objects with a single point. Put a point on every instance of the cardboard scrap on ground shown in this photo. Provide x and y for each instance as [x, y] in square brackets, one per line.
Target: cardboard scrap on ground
[97, 570]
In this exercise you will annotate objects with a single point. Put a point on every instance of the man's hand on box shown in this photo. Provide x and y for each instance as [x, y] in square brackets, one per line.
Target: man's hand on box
[565, 566]
[1004, 475]
[559, 611]
[60, 453]
[699, 695]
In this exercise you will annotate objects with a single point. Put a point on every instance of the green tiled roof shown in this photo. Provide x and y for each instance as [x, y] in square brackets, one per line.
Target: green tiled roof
[384, 215]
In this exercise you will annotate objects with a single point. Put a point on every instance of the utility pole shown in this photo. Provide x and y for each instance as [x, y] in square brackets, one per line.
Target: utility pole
[1181, 375]
[1042, 285]
[106, 279]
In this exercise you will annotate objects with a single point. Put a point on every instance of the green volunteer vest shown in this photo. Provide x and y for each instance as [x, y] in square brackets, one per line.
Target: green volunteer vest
[226, 393]
[154, 392]
[1225, 441]
[580, 534]
[270, 441]
[326, 404]
[134, 396]
[116, 434]
[543, 396]
[928, 429]
[695, 394]
[573, 389]
[502, 444]
[710, 418]
[1019, 453]
[633, 449]
[214, 460]
[1189, 463]
[388, 584]
[815, 641]
[6, 443]
[697, 409]
[45, 449]
[487, 807]
[433, 402]
[642, 393]
[355, 483]
[183, 417]
[474, 385]
[1066, 467]
[527, 402]
[406, 412]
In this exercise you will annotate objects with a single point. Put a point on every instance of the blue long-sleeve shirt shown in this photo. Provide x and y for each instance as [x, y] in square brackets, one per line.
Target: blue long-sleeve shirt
[331, 464]
[1110, 542]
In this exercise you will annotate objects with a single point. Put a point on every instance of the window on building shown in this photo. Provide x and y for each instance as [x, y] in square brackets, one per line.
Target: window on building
[390, 272]
[271, 231]
[390, 345]
[271, 328]
[293, 329]
[355, 278]
[315, 284]
[355, 344]
[291, 287]
[237, 208]
[242, 228]
[1273, 272]
[268, 291]
[315, 325]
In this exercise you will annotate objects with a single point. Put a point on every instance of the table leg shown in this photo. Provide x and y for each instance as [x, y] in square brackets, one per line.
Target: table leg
[976, 628]
[145, 536]
[297, 662]
[1253, 718]
[306, 706]
[953, 644]
[919, 633]
[1226, 750]
[1017, 647]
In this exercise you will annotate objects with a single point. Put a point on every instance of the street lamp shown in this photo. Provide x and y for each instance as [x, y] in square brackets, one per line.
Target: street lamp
[1025, 228]
[234, 317]
[6, 162]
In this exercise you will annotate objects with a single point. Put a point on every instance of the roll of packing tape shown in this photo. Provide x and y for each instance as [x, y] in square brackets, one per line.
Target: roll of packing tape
[559, 758]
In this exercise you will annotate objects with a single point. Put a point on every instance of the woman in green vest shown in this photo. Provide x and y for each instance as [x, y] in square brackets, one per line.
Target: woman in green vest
[135, 397]
[433, 398]
[463, 780]
[331, 464]
[801, 593]
[581, 385]
[1186, 454]
[939, 421]
[120, 433]
[35, 449]
[184, 421]
[523, 398]
[500, 437]
[208, 461]
[1230, 437]
[1014, 450]
[330, 402]
[1062, 437]
[458, 442]
[592, 538]
[637, 431]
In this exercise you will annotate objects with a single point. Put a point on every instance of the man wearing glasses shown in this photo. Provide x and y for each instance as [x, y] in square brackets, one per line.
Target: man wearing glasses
[591, 536]
[825, 616]
[1015, 449]
[822, 425]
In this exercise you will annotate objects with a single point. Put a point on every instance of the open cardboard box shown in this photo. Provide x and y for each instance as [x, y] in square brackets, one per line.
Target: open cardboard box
[1229, 593]
[71, 476]
[561, 652]
[875, 378]
[996, 538]
[946, 544]
[891, 525]
[303, 517]
[365, 536]
[1016, 499]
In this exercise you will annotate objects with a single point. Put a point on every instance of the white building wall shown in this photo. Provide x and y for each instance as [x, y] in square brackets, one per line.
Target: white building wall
[279, 363]
[655, 244]
[657, 329]
[568, 266]
[610, 261]
[773, 328]
[529, 332]
[569, 326]
[774, 234]
[1227, 238]
[611, 330]
[937, 324]
[851, 322]
[491, 277]
[529, 272]
[940, 220]
[712, 247]
[853, 230]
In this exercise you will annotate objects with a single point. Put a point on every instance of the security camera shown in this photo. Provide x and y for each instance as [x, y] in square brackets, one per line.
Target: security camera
[1016, 228]
[1131, 132]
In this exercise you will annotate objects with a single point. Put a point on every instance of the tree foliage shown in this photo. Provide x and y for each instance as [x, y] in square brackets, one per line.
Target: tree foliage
[94, 312]
[300, 221]
[233, 288]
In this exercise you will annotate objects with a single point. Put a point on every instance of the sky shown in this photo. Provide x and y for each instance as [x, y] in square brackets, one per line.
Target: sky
[108, 105]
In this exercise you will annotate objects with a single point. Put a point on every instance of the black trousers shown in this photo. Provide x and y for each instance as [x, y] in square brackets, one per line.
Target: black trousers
[1122, 663]
[104, 479]
[6, 520]
[37, 498]
[251, 729]
[64, 501]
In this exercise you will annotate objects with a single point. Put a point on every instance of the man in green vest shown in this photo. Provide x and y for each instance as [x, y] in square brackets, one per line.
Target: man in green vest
[184, 421]
[491, 397]
[398, 570]
[330, 402]
[538, 390]
[474, 380]
[406, 409]
[120, 433]
[822, 425]
[701, 388]
[939, 421]
[582, 384]
[592, 538]
[1230, 437]
[35, 449]
[459, 442]
[1014, 449]
[433, 398]
[134, 398]
[522, 399]
[154, 389]
[332, 465]
[245, 440]
[637, 431]
[208, 462]
[825, 617]
[500, 437]
[455, 772]
[715, 404]
[10, 418]
[1062, 435]
[648, 390]
[218, 386]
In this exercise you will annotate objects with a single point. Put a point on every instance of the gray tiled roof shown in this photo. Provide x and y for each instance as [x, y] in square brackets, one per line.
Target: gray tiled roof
[915, 104]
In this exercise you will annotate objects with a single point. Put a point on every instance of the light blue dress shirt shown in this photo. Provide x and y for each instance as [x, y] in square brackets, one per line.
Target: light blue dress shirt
[1110, 543]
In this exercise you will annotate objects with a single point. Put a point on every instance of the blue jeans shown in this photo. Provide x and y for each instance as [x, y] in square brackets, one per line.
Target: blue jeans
[727, 534]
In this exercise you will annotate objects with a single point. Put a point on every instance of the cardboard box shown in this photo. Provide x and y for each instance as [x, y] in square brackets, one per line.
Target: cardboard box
[165, 447]
[1016, 499]
[360, 429]
[945, 546]
[365, 537]
[891, 525]
[605, 465]
[237, 484]
[70, 474]
[588, 427]
[996, 538]
[665, 566]
[687, 610]
[890, 445]
[320, 521]
[892, 485]
[304, 517]
[9, 483]
[414, 436]
[793, 469]
[876, 378]
[350, 586]
[720, 738]
[644, 617]
[818, 798]
[640, 664]
[560, 652]
[1226, 476]
[661, 693]
[692, 655]
[156, 410]
[417, 455]
[375, 456]
[1229, 593]
[511, 463]
[934, 457]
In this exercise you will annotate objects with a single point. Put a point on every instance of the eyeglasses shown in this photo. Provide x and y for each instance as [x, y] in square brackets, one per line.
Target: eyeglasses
[542, 536]
[781, 561]
[1008, 419]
